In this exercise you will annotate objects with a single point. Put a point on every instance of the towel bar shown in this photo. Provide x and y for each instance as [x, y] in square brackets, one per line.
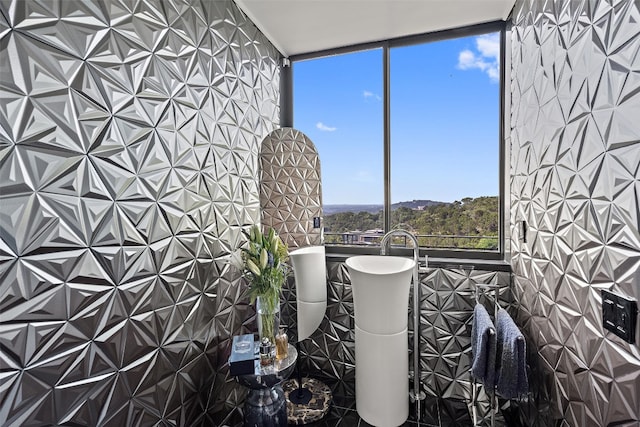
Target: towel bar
[485, 288]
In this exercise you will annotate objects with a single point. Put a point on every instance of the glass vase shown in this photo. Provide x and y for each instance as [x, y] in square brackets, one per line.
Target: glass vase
[268, 314]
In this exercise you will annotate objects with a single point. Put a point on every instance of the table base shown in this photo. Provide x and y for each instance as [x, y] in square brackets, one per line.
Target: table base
[265, 408]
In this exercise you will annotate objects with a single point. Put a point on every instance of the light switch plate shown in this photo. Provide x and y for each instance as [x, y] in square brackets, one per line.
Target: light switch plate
[619, 315]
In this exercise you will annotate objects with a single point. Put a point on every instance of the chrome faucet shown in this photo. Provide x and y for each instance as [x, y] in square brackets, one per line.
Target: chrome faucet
[385, 243]
[416, 394]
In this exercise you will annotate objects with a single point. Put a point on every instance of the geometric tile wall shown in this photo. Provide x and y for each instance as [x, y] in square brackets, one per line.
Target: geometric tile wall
[129, 139]
[575, 180]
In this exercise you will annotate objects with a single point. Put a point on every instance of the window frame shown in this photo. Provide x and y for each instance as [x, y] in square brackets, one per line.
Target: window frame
[286, 119]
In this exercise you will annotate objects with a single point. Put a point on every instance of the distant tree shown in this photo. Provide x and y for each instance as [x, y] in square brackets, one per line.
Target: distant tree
[469, 217]
[487, 243]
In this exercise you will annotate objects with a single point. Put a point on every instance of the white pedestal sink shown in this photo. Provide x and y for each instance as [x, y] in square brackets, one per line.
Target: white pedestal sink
[381, 302]
[310, 271]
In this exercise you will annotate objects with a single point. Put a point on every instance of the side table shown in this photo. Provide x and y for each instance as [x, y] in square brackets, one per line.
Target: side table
[265, 405]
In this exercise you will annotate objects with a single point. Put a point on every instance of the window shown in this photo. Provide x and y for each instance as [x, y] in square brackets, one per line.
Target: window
[432, 164]
[337, 103]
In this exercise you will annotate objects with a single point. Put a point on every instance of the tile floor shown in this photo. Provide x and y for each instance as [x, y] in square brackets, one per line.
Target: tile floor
[436, 412]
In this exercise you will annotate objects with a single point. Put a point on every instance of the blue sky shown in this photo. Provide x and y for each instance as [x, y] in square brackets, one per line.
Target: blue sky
[444, 121]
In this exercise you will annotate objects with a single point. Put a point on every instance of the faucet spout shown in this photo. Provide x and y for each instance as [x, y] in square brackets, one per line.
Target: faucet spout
[385, 243]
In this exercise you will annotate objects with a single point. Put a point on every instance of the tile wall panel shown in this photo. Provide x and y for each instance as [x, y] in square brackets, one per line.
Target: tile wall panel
[128, 166]
[575, 169]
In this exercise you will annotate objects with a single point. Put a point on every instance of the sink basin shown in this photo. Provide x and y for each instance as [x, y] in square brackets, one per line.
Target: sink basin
[380, 287]
[380, 292]
[310, 272]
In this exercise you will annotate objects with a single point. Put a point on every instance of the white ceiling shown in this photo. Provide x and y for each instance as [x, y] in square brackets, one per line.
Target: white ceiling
[304, 26]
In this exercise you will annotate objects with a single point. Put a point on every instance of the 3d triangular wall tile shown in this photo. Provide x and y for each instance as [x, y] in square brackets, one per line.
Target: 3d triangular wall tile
[575, 164]
[128, 166]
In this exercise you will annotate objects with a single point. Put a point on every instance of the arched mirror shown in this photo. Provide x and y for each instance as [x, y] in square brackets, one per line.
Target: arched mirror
[290, 187]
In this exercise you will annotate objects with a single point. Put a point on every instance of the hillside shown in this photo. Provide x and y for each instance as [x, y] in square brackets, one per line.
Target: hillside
[476, 219]
[413, 204]
[334, 209]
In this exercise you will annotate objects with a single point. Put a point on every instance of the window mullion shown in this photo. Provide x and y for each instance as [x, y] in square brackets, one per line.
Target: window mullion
[386, 77]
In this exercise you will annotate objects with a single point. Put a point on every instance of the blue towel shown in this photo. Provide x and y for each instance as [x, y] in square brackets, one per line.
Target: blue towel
[483, 347]
[511, 364]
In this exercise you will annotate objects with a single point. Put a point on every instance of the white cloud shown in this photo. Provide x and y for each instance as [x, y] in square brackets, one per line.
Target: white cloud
[363, 176]
[368, 94]
[489, 46]
[466, 60]
[324, 127]
[494, 74]
[487, 57]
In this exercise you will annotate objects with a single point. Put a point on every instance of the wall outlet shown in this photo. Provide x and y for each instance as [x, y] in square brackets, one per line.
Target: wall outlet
[619, 315]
